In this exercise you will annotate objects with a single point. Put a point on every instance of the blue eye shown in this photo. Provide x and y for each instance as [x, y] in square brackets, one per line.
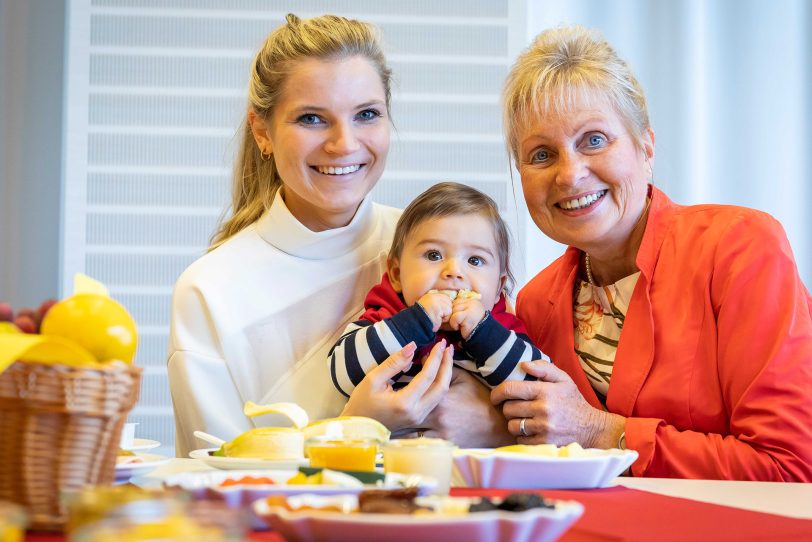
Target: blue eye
[541, 155]
[476, 261]
[434, 256]
[368, 114]
[596, 140]
[309, 119]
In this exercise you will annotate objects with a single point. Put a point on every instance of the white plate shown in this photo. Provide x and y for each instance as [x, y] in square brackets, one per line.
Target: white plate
[142, 444]
[150, 462]
[486, 468]
[535, 525]
[245, 463]
[201, 483]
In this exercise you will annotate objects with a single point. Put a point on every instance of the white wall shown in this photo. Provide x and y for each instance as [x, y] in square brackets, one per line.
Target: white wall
[31, 83]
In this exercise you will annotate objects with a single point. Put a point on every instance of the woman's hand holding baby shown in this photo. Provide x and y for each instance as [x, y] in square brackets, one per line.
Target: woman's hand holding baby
[410, 406]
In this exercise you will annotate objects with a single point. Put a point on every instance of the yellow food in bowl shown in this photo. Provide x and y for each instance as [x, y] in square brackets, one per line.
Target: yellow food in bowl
[545, 450]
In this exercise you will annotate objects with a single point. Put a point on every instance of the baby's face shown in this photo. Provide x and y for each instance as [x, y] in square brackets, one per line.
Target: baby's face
[449, 253]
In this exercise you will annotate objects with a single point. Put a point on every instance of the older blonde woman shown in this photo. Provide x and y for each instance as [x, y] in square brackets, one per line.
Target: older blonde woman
[684, 333]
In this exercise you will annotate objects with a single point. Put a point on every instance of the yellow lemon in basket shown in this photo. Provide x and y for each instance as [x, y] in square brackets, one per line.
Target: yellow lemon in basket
[97, 323]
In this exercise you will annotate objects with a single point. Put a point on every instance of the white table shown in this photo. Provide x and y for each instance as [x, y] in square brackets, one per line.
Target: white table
[785, 499]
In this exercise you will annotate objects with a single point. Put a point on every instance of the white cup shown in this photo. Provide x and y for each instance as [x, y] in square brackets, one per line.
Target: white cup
[425, 456]
[127, 436]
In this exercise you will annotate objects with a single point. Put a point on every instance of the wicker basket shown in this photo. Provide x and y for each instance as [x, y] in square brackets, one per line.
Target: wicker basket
[59, 431]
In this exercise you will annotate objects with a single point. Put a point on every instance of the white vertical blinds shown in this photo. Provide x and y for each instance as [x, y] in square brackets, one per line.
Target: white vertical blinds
[151, 125]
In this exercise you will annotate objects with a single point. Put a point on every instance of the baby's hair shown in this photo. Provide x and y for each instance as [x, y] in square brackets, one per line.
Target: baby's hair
[447, 199]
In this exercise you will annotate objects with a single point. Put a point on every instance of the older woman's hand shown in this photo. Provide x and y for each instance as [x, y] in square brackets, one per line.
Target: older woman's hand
[554, 410]
[466, 417]
[408, 407]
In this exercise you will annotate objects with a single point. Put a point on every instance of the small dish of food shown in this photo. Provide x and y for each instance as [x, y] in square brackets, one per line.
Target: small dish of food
[543, 466]
[403, 516]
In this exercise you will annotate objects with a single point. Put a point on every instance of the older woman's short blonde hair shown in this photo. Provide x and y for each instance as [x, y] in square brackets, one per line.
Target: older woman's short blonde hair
[563, 65]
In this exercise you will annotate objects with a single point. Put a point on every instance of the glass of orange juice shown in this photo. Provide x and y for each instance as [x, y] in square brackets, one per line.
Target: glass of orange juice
[342, 454]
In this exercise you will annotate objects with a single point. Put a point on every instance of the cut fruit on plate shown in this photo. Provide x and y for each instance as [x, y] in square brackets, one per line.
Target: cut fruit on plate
[348, 427]
[546, 450]
[292, 411]
[273, 443]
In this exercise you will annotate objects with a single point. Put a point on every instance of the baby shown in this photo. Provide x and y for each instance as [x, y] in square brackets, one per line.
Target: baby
[447, 272]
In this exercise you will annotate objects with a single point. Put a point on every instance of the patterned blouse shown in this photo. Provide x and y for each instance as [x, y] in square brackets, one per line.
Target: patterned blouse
[598, 314]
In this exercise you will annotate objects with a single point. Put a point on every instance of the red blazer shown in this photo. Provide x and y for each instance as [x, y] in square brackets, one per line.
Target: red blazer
[714, 364]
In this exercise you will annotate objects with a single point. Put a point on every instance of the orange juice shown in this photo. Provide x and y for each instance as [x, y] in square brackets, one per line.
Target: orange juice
[342, 454]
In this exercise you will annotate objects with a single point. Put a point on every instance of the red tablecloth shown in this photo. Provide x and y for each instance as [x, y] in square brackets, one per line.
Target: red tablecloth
[623, 514]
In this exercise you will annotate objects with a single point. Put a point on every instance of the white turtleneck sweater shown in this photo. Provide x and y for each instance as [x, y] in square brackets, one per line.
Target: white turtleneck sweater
[255, 318]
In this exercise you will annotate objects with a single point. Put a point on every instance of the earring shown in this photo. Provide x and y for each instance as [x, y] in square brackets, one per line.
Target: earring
[265, 156]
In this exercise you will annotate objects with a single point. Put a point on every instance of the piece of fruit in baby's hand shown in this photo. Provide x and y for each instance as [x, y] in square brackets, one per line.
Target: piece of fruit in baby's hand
[458, 294]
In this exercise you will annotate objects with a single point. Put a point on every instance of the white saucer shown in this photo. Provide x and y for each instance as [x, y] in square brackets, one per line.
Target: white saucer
[142, 444]
[150, 463]
[243, 463]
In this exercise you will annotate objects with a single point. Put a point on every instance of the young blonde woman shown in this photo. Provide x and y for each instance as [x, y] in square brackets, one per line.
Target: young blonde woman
[254, 318]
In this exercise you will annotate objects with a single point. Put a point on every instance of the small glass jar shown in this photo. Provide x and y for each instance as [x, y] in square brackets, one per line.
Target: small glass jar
[342, 453]
[431, 457]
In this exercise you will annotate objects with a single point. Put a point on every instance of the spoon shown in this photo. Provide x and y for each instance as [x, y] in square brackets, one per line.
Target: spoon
[209, 438]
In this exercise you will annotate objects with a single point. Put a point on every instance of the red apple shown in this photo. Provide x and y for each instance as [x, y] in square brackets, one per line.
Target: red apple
[6, 313]
[26, 324]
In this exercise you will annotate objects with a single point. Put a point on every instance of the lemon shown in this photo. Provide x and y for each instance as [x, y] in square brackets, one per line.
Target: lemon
[292, 411]
[351, 427]
[95, 322]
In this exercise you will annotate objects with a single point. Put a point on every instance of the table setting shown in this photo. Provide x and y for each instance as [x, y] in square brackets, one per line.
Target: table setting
[291, 504]
[73, 469]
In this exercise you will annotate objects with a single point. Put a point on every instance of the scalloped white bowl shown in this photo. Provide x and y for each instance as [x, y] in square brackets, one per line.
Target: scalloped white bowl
[510, 470]
[535, 525]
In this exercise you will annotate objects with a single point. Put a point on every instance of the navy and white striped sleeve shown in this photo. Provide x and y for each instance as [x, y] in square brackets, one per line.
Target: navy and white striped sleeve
[498, 351]
[364, 345]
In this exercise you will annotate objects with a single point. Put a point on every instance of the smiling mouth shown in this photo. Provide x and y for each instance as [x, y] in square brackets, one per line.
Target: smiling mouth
[337, 170]
[582, 202]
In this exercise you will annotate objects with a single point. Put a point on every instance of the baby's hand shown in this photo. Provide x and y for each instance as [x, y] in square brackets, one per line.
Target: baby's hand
[465, 315]
[438, 306]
